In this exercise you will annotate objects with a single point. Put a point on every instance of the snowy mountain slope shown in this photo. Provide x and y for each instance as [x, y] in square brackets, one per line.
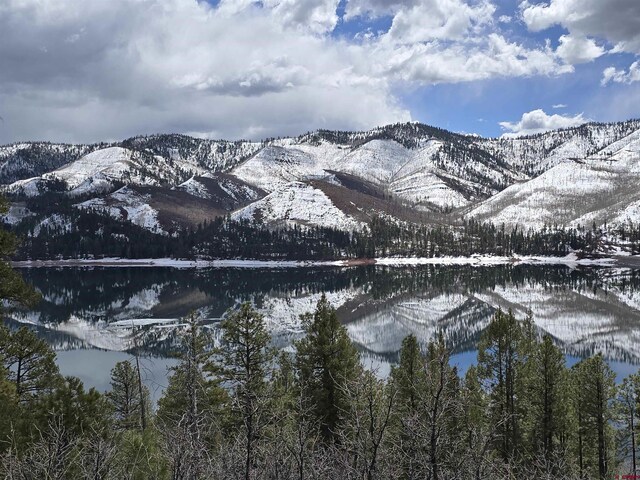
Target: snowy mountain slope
[538, 153]
[298, 203]
[20, 161]
[17, 212]
[163, 210]
[276, 166]
[361, 203]
[432, 175]
[601, 188]
[212, 155]
[227, 191]
[26, 160]
[390, 170]
[101, 169]
[126, 204]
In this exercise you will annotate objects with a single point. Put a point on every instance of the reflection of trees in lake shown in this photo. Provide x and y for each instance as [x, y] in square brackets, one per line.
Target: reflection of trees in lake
[382, 304]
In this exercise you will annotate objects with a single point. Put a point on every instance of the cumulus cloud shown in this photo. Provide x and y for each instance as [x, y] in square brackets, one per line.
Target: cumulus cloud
[318, 16]
[493, 58]
[617, 21]
[376, 8]
[611, 74]
[439, 19]
[78, 70]
[576, 49]
[537, 121]
[179, 65]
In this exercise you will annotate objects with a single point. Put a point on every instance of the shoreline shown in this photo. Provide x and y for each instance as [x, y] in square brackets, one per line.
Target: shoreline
[570, 260]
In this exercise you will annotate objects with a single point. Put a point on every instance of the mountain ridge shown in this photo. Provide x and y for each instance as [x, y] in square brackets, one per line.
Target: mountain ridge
[405, 172]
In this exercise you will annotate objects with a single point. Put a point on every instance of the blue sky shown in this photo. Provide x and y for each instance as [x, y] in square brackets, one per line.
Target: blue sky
[82, 71]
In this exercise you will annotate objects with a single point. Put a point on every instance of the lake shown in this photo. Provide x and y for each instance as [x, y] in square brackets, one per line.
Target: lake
[96, 316]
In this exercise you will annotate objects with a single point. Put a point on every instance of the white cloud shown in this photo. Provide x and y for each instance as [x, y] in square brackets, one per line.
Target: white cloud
[537, 121]
[78, 70]
[611, 74]
[576, 49]
[559, 106]
[318, 16]
[617, 21]
[376, 8]
[439, 19]
[179, 65]
[495, 57]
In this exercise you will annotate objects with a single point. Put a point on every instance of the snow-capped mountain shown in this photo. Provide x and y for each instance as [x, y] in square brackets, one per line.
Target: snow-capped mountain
[536, 154]
[410, 172]
[600, 188]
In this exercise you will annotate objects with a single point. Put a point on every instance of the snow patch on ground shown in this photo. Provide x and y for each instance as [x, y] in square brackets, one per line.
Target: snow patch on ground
[56, 222]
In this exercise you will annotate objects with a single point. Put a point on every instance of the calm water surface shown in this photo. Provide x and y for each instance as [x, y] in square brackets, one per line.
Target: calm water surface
[94, 317]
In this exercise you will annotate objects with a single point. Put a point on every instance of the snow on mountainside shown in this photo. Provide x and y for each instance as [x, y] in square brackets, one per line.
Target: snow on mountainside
[163, 210]
[538, 153]
[396, 168]
[127, 204]
[100, 170]
[25, 160]
[434, 174]
[601, 188]
[301, 204]
[212, 155]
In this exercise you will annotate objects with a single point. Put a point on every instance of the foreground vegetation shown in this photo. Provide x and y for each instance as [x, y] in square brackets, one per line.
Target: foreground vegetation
[242, 410]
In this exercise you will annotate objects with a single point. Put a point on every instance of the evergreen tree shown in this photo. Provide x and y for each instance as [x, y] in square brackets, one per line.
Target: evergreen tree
[128, 405]
[442, 407]
[499, 366]
[627, 402]
[188, 412]
[29, 362]
[244, 359]
[12, 288]
[409, 381]
[594, 391]
[545, 391]
[326, 361]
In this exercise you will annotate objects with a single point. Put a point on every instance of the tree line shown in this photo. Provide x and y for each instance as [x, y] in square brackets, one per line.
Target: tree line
[89, 234]
[235, 408]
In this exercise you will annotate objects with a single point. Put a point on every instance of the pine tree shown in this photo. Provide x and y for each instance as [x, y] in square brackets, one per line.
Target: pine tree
[189, 411]
[128, 405]
[627, 401]
[442, 407]
[326, 361]
[499, 366]
[409, 381]
[12, 288]
[29, 362]
[244, 359]
[545, 391]
[594, 390]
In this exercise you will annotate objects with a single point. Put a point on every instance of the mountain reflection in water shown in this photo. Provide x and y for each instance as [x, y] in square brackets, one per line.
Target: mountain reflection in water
[104, 314]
